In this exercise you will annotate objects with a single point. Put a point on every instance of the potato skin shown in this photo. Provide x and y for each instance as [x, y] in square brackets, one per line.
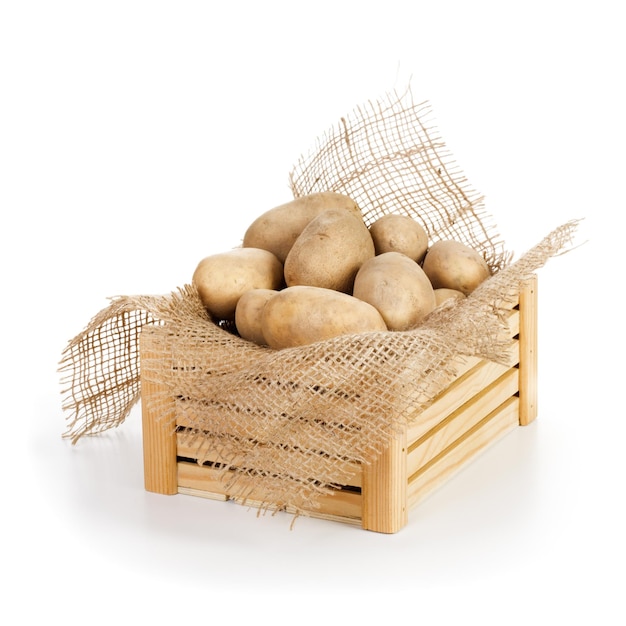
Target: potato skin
[329, 251]
[302, 314]
[442, 294]
[248, 314]
[222, 278]
[453, 265]
[397, 287]
[400, 233]
[278, 228]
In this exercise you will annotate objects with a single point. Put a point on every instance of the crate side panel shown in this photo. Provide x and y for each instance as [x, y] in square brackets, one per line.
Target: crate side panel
[226, 453]
[463, 451]
[462, 420]
[462, 390]
[207, 482]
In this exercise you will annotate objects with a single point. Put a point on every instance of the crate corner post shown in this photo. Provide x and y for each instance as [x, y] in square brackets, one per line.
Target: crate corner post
[159, 436]
[384, 491]
[528, 352]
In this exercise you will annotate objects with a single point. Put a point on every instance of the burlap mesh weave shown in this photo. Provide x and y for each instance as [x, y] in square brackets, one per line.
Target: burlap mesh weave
[389, 158]
[288, 423]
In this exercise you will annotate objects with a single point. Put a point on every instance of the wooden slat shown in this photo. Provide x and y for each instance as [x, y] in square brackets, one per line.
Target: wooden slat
[159, 437]
[513, 323]
[461, 367]
[462, 420]
[340, 506]
[528, 352]
[188, 416]
[492, 428]
[202, 478]
[228, 454]
[207, 482]
[202, 493]
[384, 489]
[344, 519]
[458, 393]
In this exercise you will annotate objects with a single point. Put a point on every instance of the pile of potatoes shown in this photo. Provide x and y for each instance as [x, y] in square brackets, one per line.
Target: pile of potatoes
[311, 269]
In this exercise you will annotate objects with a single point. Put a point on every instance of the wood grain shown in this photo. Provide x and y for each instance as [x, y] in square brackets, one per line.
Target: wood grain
[159, 436]
[528, 374]
[464, 450]
[384, 489]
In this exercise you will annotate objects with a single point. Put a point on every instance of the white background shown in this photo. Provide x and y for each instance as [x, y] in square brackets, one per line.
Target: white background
[138, 137]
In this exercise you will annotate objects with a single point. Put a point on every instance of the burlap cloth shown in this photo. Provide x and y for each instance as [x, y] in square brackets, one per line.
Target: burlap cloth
[292, 417]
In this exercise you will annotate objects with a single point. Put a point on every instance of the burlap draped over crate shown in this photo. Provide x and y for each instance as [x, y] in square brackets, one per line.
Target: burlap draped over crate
[289, 419]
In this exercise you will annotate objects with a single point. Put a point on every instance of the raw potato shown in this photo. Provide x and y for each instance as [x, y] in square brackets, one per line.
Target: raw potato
[302, 315]
[222, 278]
[399, 233]
[453, 265]
[276, 230]
[329, 251]
[248, 314]
[397, 287]
[442, 294]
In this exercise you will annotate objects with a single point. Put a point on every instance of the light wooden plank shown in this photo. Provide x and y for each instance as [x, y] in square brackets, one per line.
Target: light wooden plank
[201, 493]
[341, 505]
[462, 420]
[528, 352]
[207, 482]
[201, 478]
[490, 430]
[228, 453]
[355, 521]
[458, 393]
[159, 437]
[513, 323]
[189, 416]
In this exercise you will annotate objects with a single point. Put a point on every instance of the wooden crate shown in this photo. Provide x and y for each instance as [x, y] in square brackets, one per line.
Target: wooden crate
[484, 402]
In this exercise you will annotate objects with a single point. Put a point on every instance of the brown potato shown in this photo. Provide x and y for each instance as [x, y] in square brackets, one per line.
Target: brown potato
[276, 230]
[302, 315]
[453, 265]
[397, 287]
[442, 294]
[329, 251]
[399, 233]
[248, 314]
[222, 278]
